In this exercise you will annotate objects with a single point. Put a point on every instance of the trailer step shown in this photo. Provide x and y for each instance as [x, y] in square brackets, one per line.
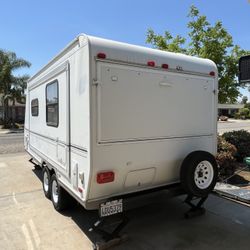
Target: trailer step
[109, 229]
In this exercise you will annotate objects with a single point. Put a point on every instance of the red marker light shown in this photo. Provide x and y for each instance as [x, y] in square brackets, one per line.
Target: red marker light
[80, 190]
[212, 73]
[105, 177]
[151, 63]
[101, 55]
[164, 66]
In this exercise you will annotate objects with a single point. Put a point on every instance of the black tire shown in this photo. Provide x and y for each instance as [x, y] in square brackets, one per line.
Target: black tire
[46, 186]
[62, 201]
[199, 173]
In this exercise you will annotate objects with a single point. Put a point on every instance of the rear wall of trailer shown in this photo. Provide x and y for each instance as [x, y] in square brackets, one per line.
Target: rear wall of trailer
[145, 121]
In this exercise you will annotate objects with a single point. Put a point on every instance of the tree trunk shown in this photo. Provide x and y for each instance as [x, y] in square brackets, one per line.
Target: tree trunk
[6, 112]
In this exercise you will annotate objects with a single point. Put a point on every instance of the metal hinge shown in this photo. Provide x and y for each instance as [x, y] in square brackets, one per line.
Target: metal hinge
[96, 82]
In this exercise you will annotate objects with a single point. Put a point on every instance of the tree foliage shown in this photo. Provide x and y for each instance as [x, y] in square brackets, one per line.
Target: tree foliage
[11, 86]
[206, 41]
[244, 100]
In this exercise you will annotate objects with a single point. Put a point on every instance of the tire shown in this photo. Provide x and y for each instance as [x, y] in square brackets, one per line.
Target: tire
[59, 196]
[199, 173]
[46, 182]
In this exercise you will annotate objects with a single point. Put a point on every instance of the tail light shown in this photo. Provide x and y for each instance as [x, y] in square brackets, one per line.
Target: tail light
[164, 66]
[101, 55]
[151, 63]
[105, 177]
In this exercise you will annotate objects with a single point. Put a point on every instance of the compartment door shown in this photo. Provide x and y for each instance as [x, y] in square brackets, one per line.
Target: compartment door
[143, 104]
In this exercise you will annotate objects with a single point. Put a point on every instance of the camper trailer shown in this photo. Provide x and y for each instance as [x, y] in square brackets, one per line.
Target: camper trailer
[105, 119]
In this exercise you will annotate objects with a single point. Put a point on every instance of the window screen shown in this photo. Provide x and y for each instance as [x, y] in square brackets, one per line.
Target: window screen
[52, 114]
[34, 107]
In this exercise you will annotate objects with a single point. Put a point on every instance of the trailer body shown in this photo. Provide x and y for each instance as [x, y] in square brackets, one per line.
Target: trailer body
[111, 118]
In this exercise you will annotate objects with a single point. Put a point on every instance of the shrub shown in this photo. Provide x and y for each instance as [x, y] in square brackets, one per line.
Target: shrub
[237, 115]
[244, 111]
[247, 105]
[241, 140]
[225, 156]
[242, 114]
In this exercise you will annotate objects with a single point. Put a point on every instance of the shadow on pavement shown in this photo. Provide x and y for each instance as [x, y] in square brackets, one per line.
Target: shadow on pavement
[161, 225]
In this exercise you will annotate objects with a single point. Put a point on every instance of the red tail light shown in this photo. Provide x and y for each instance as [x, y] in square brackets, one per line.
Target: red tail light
[105, 177]
[164, 66]
[151, 63]
[101, 55]
[212, 73]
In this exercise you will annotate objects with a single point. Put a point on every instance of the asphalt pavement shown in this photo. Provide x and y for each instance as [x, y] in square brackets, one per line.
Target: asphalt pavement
[232, 124]
[11, 143]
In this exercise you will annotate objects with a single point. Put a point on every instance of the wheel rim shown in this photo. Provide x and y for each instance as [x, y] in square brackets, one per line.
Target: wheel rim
[55, 191]
[204, 174]
[46, 181]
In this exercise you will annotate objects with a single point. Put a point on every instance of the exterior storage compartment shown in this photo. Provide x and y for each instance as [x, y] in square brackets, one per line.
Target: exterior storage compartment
[139, 178]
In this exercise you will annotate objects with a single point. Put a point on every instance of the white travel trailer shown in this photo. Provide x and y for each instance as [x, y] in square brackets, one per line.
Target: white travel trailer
[105, 119]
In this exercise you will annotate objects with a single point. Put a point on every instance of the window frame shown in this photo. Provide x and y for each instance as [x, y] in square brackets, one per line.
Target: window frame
[51, 124]
[36, 114]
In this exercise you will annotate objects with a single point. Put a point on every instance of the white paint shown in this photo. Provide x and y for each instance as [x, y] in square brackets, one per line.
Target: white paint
[14, 198]
[27, 237]
[34, 233]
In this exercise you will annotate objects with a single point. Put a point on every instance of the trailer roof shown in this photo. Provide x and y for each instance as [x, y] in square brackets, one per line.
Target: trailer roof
[125, 52]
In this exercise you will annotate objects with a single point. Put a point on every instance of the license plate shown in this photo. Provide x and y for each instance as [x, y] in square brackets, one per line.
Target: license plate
[111, 207]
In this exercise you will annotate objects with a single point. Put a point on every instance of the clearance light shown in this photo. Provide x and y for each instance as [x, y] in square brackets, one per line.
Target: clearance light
[151, 63]
[80, 190]
[212, 73]
[164, 66]
[101, 55]
[105, 177]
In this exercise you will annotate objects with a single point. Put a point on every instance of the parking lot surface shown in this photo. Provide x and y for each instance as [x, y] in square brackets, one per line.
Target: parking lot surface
[11, 143]
[233, 124]
[29, 221]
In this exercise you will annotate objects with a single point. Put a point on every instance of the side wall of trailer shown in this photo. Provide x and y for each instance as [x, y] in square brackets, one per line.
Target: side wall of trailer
[58, 135]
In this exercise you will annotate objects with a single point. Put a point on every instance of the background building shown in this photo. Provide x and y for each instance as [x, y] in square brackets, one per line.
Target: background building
[229, 109]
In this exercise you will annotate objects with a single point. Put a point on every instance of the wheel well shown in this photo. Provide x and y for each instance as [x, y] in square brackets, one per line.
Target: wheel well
[51, 170]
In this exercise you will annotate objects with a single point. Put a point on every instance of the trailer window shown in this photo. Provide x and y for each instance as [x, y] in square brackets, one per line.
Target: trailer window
[34, 107]
[52, 114]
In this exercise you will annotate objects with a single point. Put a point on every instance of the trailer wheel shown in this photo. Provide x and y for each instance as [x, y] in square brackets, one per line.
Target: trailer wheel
[46, 182]
[199, 173]
[59, 196]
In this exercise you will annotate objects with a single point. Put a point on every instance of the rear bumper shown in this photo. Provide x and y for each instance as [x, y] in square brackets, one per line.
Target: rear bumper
[142, 198]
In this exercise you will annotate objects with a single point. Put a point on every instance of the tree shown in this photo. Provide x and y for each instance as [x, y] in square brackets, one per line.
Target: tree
[11, 87]
[206, 41]
[244, 100]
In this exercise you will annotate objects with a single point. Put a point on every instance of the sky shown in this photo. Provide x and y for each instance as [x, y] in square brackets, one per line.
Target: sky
[38, 29]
